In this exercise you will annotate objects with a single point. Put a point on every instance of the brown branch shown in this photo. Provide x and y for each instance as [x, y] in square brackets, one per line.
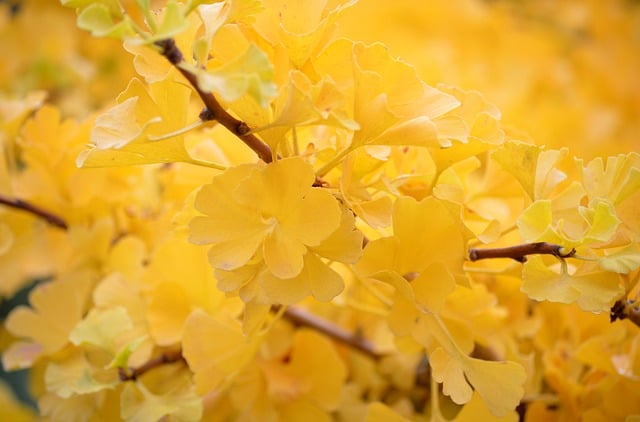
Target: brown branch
[214, 111]
[627, 309]
[20, 204]
[134, 373]
[300, 317]
[519, 252]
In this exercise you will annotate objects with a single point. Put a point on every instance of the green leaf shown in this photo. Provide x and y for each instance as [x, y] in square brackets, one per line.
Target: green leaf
[98, 19]
[121, 359]
[173, 22]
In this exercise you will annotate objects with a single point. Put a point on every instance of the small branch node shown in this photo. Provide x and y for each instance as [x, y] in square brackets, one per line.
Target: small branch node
[242, 129]
[206, 115]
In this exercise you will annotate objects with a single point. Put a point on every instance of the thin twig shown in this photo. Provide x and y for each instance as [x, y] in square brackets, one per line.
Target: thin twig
[519, 252]
[214, 111]
[134, 373]
[300, 317]
[23, 205]
[626, 309]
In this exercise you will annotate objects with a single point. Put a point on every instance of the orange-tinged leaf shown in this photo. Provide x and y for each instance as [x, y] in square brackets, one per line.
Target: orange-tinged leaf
[315, 359]
[379, 412]
[169, 308]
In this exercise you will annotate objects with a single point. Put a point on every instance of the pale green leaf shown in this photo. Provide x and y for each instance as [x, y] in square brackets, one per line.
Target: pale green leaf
[622, 261]
[250, 74]
[99, 20]
[101, 327]
[603, 222]
[173, 22]
[119, 126]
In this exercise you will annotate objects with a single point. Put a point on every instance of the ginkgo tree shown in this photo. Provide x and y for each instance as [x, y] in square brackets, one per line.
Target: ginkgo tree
[273, 222]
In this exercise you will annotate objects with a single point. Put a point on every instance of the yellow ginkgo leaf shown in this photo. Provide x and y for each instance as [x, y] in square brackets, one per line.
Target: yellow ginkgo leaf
[75, 375]
[316, 362]
[102, 328]
[141, 405]
[251, 73]
[224, 351]
[499, 384]
[603, 221]
[379, 412]
[126, 134]
[476, 409]
[119, 125]
[622, 261]
[55, 309]
[521, 160]
[99, 19]
[536, 224]
[432, 286]
[450, 372]
[593, 289]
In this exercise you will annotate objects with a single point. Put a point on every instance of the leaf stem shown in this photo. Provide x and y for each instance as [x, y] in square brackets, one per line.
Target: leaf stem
[334, 161]
[20, 204]
[195, 125]
[519, 252]
[214, 110]
[203, 163]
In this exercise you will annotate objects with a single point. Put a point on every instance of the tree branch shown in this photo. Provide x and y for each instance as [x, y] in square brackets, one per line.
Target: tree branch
[214, 111]
[20, 204]
[134, 373]
[627, 309]
[519, 252]
[300, 317]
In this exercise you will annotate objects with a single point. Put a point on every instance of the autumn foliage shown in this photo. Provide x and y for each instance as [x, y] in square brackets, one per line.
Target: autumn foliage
[256, 210]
